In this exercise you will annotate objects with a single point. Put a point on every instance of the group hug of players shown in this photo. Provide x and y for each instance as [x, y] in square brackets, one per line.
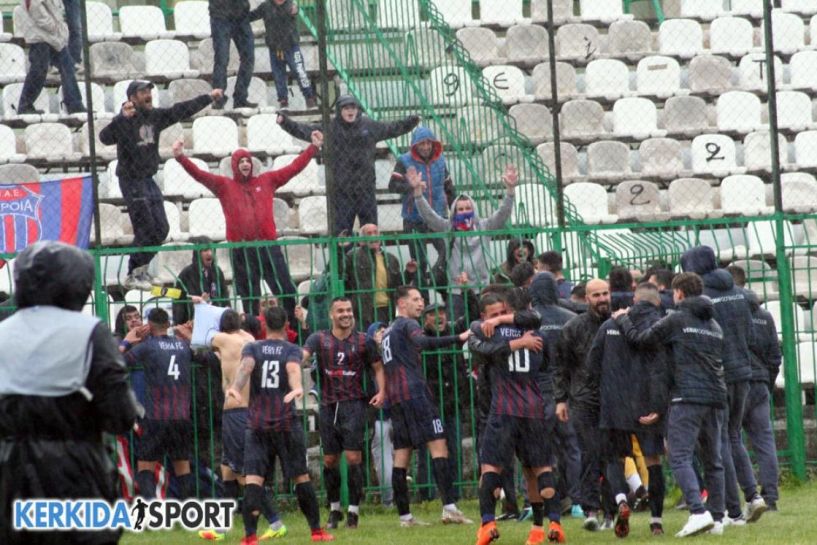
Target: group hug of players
[513, 348]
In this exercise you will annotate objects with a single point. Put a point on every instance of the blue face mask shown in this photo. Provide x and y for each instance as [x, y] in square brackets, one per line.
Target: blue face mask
[464, 221]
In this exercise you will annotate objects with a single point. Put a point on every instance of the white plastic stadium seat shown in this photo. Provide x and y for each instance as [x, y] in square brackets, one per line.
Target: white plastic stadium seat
[457, 13]
[534, 121]
[701, 9]
[113, 62]
[639, 200]
[304, 183]
[753, 71]
[562, 10]
[11, 99]
[206, 219]
[691, 198]
[191, 18]
[794, 111]
[681, 37]
[534, 206]
[636, 117]
[629, 38]
[743, 195]
[605, 11]
[100, 23]
[799, 192]
[803, 68]
[500, 12]
[731, 36]
[580, 42]
[169, 59]
[582, 120]
[686, 115]
[738, 111]
[710, 74]
[12, 63]
[658, 76]
[450, 86]
[8, 146]
[569, 158]
[714, 154]
[481, 44]
[590, 201]
[50, 141]
[757, 152]
[661, 158]
[312, 215]
[398, 14]
[804, 7]
[98, 96]
[264, 134]
[527, 44]
[607, 78]
[804, 271]
[608, 161]
[256, 92]
[214, 135]
[145, 22]
[805, 149]
[508, 82]
[177, 182]
[753, 8]
[565, 81]
[789, 32]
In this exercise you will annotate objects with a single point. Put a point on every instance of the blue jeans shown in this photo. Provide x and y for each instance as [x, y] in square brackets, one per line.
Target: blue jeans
[690, 425]
[223, 30]
[40, 56]
[73, 19]
[279, 60]
[758, 425]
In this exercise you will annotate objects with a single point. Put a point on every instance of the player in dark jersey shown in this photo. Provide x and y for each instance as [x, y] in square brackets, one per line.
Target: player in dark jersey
[343, 360]
[167, 428]
[415, 418]
[517, 423]
[273, 369]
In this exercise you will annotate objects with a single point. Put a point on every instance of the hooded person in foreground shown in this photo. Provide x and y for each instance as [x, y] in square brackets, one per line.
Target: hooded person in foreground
[62, 385]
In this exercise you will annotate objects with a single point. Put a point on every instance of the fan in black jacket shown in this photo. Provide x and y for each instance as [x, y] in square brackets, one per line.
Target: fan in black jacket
[201, 277]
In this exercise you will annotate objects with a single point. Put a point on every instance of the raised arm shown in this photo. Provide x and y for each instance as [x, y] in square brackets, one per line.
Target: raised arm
[425, 342]
[279, 177]
[659, 333]
[498, 219]
[213, 182]
[432, 219]
[182, 110]
[383, 130]
[301, 131]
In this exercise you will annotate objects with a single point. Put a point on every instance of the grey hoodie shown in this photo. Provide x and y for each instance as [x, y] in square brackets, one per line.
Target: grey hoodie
[467, 253]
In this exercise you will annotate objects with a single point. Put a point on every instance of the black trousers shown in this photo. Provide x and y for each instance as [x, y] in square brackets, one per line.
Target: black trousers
[251, 265]
[147, 216]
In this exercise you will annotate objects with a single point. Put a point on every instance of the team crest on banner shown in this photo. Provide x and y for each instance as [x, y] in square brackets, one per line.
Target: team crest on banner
[48, 210]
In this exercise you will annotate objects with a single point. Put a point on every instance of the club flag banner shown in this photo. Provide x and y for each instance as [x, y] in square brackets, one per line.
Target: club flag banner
[60, 209]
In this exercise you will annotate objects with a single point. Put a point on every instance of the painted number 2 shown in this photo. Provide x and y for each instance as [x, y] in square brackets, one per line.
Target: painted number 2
[519, 361]
[269, 373]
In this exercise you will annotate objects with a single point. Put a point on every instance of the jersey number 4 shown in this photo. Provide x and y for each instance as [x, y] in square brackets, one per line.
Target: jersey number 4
[173, 368]
[519, 361]
[269, 373]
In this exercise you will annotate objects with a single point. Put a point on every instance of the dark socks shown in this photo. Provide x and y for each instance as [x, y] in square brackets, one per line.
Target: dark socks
[489, 482]
[331, 478]
[146, 484]
[444, 481]
[400, 487]
[187, 486]
[355, 484]
[268, 508]
[538, 509]
[253, 498]
[308, 504]
[553, 506]
[657, 490]
[231, 489]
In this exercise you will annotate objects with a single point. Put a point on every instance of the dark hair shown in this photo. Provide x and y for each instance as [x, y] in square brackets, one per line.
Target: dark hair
[489, 299]
[252, 325]
[620, 279]
[521, 273]
[230, 321]
[158, 316]
[403, 291]
[579, 290]
[119, 324]
[518, 299]
[276, 318]
[500, 289]
[649, 291]
[663, 277]
[738, 274]
[515, 244]
[551, 261]
[341, 299]
[689, 283]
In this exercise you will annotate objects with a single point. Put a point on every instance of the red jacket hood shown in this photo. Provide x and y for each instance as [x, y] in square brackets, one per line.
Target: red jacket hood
[239, 154]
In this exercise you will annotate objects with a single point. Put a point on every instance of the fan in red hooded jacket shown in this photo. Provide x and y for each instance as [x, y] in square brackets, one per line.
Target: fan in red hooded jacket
[246, 200]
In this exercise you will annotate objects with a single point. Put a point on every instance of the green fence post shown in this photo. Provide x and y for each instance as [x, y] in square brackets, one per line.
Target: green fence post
[100, 295]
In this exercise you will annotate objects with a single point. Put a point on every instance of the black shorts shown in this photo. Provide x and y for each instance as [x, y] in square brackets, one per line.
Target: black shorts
[173, 438]
[508, 435]
[233, 426]
[415, 422]
[615, 444]
[262, 446]
[651, 443]
[342, 426]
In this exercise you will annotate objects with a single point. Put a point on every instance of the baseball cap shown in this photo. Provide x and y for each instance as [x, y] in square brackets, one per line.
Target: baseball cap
[433, 308]
[138, 85]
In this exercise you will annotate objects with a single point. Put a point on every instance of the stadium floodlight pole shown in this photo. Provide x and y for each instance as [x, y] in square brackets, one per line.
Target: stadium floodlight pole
[557, 135]
[794, 409]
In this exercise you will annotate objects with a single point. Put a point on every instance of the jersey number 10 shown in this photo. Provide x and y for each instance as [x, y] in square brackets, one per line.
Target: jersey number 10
[519, 361]
[269, 373]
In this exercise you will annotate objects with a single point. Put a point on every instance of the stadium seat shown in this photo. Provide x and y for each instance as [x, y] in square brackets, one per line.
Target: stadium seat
[168, 59]
[590, 201]
[753, 8]
[577, 42]
[639, 200]
[714, 154]
[188, 88]
[794, 111]
[109, 183]
[8, 146]
[113, 61]
[534, 206]
[691, 198]
[299, 257]
[743, 195]
[304, 183]
[710, 74]
[803, 7]
[203, 58]
[569, 159]
[12, 63]
[19, 173]
[508, 82]
[457, 13]
[265, 135]
[450, 86]
[481, 44]
[805, 149]
[658, 76]
[527, 44]
[389, 218]
[608, 161]
[738, 111]
[562, 11]
[761, 239]
[177, 182]
[110, 224]
[629, 39]
[214, 135]
[636, 117]
[143, 22]
[757, 152]
[425, 48]
[685, 116]
[100, 23]
[680, 38]
[312, 216]
[565, 81]
[812, 30]
[534, 121]
[495, 158]
[256, 92]
[51, 142]
[174, 221]
[605, 11]
[582, 120]
[191, 18]
[106, 153]
[501, 12]
[11, 99]
[661, 158]
[727, 243]
[803, 69]
[97, 97]
[607, 78]
[479, 124]
[167, 264]
[789, 32]
[799, 192]
[701, 9]
[731, 36]
[206, 219]
[167, 138]
[804, 281]
[800, 320]
[399, 14]
[280, 212]
[753, 71]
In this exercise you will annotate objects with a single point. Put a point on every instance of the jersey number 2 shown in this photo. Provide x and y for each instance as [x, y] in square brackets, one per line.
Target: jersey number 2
[519, 361]
[269, 373]
[173, 368]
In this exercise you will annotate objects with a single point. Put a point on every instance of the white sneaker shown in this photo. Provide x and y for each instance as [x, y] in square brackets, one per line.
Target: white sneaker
[754, 509]
[697, 524]
[717, 530]
[455, 517]
[736, 521]
[138, 279]
[591, 523]
[412, 522]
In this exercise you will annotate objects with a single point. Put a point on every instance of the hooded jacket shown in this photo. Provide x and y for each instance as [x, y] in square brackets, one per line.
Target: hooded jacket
[467, 254]
[544, 295]
[439, 189]
[632, 381]
[765, 347]
[353, 145]
[696, 344]
[731, 311]
[44, 21]
[572, 379]
[196, 279]
[247, 203]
